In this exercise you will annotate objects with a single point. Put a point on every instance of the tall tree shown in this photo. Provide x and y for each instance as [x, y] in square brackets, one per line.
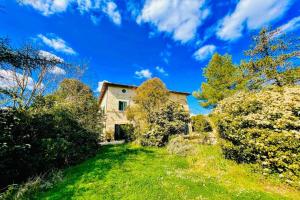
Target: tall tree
[149, 97]
[271, 59]
[78, 99]
[222, 80]
[27, 72]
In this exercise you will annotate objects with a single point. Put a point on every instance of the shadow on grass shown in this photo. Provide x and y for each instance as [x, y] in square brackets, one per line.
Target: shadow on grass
[78, 179]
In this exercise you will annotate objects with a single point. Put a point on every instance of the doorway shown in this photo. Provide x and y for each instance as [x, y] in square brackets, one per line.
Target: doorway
[123, 132]
[120, 134]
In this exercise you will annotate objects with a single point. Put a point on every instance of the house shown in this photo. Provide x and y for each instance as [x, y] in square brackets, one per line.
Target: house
[113, 100]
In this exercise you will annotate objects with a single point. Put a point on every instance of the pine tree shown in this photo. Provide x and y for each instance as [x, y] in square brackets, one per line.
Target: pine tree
[272, 57]
[222, 80]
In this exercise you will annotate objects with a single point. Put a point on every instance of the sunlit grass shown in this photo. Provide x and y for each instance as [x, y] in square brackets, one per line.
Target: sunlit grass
[131, 172]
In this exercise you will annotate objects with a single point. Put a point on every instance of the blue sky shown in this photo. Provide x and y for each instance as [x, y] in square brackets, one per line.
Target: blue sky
[130, 41]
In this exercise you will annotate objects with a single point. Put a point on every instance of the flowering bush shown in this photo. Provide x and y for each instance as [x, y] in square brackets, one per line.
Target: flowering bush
[200, 124]
[263, 127]
[170, 120]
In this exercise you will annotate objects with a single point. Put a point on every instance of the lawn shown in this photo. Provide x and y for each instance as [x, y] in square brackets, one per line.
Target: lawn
[132, 172]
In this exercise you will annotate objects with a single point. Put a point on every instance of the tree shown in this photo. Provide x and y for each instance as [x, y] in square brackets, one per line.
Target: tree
[149, 97]
[27, 72]
[222, 80]
[272, 57]
[155, 116]
[78, 99]
[201, 124]
[170, 119]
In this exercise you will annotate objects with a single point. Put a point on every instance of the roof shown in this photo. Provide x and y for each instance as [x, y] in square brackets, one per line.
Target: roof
[106, 84]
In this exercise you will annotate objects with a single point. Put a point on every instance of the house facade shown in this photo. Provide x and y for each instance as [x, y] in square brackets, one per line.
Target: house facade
[115, 98]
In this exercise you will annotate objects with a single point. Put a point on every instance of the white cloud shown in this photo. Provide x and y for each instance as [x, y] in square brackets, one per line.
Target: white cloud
[84, 5]
[161, 70]
[57, 71]
[48, 7]
[134, 7]
[204, 52]
[50, 56]
[176, 17]
[100, 83]
[292, 25]
[8, 79]
[111, 9]
[54, 70]
[57, 43]
[252, 14]
[144, 73]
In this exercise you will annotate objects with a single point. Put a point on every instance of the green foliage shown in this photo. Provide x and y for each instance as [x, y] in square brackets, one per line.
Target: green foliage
[127, 130]
[222, 80]
[32, 186]
[154, 115]
[272, 58]
[263, 127]
[78, 99]
[200, 124]
[171, 119]
[40, 142]
[150, 96]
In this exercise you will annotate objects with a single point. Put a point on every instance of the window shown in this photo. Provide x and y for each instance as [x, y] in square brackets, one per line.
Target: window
[122, 105]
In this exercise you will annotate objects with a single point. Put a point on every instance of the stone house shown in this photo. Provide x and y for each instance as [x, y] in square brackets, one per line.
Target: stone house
[114, 98]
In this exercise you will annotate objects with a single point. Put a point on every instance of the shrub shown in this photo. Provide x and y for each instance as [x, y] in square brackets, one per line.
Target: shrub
[200, 124]
[181, 146]
[77, 98]
[128, 131]
[263, 127]
[154, 137]
[203, 138]
[32, 186]
[31, 143]
[109, 136]
[172, 119]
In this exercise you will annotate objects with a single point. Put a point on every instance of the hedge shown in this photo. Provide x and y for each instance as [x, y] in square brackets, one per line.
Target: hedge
[32, 143]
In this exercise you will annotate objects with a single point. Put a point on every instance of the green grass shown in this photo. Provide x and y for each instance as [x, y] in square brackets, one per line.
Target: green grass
[131, 172]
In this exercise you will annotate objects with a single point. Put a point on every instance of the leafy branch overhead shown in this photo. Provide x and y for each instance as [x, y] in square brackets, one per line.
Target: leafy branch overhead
[27, 72]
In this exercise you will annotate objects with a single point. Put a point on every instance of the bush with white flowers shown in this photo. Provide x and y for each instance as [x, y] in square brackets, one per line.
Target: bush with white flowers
[263, 127]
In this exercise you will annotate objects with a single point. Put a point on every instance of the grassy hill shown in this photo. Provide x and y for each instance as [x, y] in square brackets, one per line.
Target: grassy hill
[131, 172]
